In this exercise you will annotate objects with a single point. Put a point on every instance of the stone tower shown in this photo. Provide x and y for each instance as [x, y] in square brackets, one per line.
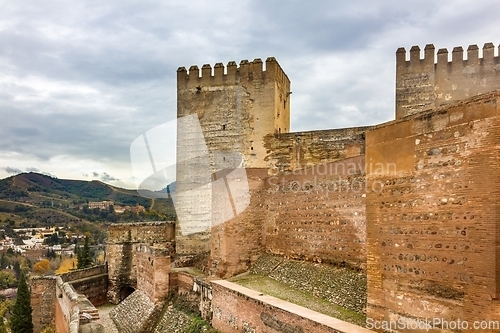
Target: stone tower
[236, 107]
[423, 84]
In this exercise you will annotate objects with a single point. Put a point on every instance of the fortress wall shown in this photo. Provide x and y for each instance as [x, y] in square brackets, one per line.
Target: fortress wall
[300, 150]
[315, 199]
[121, 252]
[153, 267]
[236, 108]
[43, 302]
[433, 230]
[425, 84]
[91, 282]
[318, 213]
[67, 311]
[95, 288]
[239, 309]
[238, 242]
[84, 273]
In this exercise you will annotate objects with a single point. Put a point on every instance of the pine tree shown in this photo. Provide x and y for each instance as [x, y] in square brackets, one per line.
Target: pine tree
[84, 258]
[21, 321]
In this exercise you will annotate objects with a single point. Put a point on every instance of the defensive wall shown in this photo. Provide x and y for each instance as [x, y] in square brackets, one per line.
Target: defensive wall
[412, 203]
[420, 211]
[236, 106]
[139, 256]
[56, 304]
[433, 227]
[91, 282]
[425, 84]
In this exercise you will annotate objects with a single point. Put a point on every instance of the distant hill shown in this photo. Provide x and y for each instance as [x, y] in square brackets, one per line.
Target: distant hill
[37, 198]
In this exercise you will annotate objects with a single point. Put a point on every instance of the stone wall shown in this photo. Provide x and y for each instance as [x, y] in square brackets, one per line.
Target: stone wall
[124, 243]
[312, 196]
[337, 285]
[43, 302]
[56, 304]
[135, 314]
[236, 110]
[239, 309]
[423, 84]
[433, 230]
[301, 150]
[238, 242]
[91, 282]
[153, 267]
[318, 214]
[195, 292]
[80, 274]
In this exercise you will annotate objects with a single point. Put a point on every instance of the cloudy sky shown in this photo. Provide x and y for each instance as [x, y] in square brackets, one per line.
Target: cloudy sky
[80, 80]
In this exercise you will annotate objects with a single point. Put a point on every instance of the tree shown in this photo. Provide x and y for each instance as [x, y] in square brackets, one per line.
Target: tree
[83, 256]
[4, 261]
[42, 266]
[17, 269]
[2, 326]
[7, 279]
[21, 321]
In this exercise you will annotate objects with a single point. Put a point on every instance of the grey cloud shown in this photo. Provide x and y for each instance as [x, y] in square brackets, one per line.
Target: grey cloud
[12, 170]
[95, 174]
[31, 169]
[85, 79]
[107, 178]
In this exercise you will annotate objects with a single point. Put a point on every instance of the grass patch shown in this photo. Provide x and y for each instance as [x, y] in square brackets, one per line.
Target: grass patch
[279, 290]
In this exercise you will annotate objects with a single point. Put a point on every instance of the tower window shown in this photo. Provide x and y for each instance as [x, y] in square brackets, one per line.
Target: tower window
[224, 127]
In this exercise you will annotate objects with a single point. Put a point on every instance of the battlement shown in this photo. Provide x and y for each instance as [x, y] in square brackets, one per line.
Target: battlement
[424, 83]
[231, 74]
[457, 58]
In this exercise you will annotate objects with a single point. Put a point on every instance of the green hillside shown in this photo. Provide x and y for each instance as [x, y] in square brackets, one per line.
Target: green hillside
[30, 199]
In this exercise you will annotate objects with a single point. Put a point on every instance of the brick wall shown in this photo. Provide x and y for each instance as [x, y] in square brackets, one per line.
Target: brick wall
[238, 309]
[238, 242]
[122, 246]
[43, 302]
[91, 282]
[433, 230]
[318, 214]
[153, 267]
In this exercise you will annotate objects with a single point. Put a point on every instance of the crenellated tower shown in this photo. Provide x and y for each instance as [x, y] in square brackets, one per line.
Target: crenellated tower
[237, 106]
[424, 84]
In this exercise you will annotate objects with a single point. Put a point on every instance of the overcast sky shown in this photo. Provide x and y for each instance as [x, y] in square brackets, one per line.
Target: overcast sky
[80, 80]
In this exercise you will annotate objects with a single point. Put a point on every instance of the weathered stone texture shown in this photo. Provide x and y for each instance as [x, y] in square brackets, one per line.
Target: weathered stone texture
[133, 315]
[43, 302]
[124, 243]
[337, 285]
[422, 84]
[91, 282]
[153, 267]
[238, 309]
[236, 110]
[318, 214]
[301, 150]
[432, 227]
[238, 242]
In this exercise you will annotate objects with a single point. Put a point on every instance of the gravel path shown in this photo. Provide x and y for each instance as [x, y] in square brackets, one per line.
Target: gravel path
[108, 324]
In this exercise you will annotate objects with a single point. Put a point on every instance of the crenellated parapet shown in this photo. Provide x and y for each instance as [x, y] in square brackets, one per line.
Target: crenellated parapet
[231, 74]
[432, 81]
